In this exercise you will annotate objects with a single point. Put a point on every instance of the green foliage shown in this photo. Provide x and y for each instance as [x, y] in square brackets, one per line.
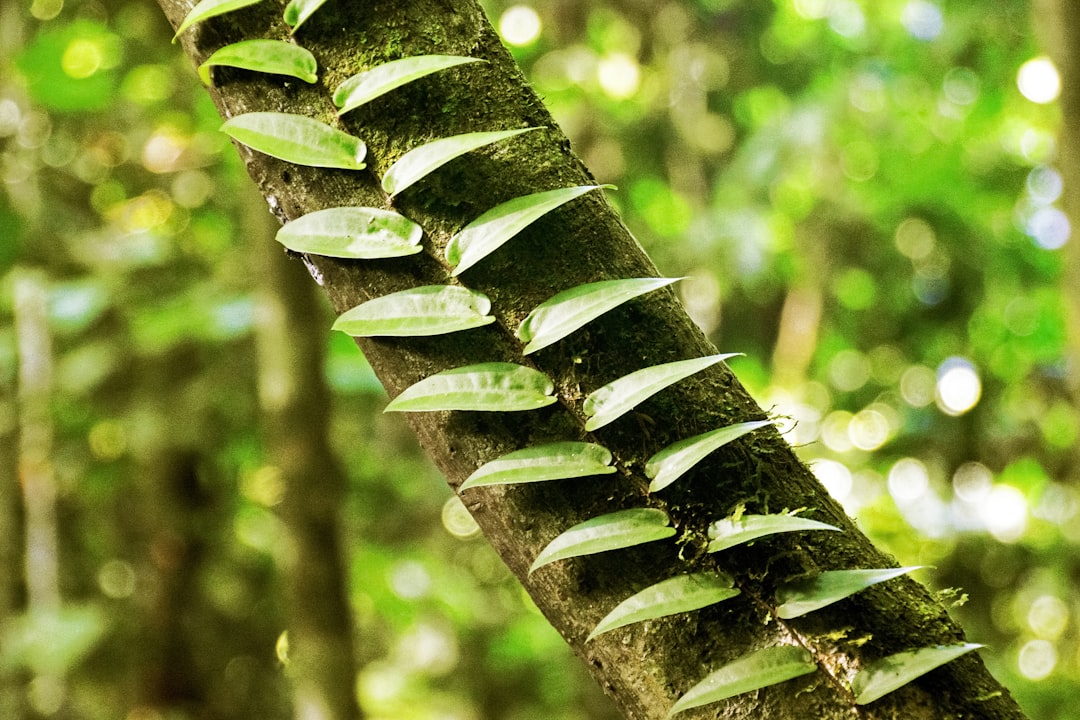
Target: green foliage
[683, 593]
[366, 86]
[569, 310]
[614, 531]
[671, 463]
[207, 9]
[492, 387]
[551, 461]
[297, 139]
[883, 676]
[353, 232]
[823, 589]
[498, 225]
[298, 11]
[428, 310]
[610, 402]
[753, 671]
[277, 57]
[421, 161]
[729, 532]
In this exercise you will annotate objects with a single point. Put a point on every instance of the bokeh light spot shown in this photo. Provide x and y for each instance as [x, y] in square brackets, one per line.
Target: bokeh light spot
[958, 386]
[923, 20]
[1037, 659]
[1049, 228]
[908, 480]
[457, 520]
[520, 25]
[835, 476]
[1048, 617]
[1004, 513]
[915, 238]
[972, 482]
[1038, 80]
[619, 76]
[82, 58]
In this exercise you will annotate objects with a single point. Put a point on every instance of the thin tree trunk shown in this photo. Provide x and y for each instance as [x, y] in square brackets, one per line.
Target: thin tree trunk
[294, 400]
[646, 666]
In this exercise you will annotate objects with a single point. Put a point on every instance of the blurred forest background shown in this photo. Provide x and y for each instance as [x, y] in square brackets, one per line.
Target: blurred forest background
[864, 194]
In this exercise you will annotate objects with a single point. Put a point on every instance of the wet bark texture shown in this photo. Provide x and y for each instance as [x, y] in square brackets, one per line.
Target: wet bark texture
[643, 667]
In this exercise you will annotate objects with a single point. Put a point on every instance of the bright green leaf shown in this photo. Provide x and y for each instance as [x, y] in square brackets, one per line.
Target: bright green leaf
[808, 594]
[277, 57]
[567, 311]
[353, 232]
[416, 164]
[882, 677]
[496, 386]
[370, 84]
[208, 9]
[417, 312]
[494, 228]
[754, 671]
[553, 461]
[298, 11]
[621, 529]
[679, 594]
[730, 532]
[668, 465]
[297, 139]
[613, 400]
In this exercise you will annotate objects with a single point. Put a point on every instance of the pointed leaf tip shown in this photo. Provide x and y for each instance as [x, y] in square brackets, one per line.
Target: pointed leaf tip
[208, 9]
[671, 463]
[381, 79]
[298, 11]
[823, 589]
[614, 531]
[753, 671]
[419, 162]
[730, 532]
[552, 461]
[610, 402]
[571, 309]
[880, 678]
[501, 223]
[275, 57]
[679, 594]
[492, 387]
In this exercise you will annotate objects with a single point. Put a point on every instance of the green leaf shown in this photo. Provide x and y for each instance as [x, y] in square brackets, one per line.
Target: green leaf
[882, 677]
[553, 461]
[609, 403]
[730, 532]
[813, 593]
[298, 11]
[370, 84]
[277, 57]
[567, 311]
[614, 531]
[494, 228]
[416, 164]
[668, 465]
[496, 387]
[753, 671]
[208, 9]
[297, 139]
[353, 232]
[669, 597]
[417, 312]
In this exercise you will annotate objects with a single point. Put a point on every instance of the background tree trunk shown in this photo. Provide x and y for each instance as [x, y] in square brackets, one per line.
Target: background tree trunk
[642, 667]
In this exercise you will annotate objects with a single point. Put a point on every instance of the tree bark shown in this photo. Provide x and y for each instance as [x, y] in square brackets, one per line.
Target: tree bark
[643, 667]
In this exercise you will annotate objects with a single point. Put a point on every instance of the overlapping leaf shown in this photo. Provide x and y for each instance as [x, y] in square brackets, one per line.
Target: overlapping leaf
[614, 531]
[730, 532]
[668, 465]
[494, 387]
[679, 594]
[552, 461]
[882, 677]
[298, 11]
[208, 9]
[813, 593]
[353, 232]
[277, 57]
[419, 162]
[498, 225]
[754, 671]
[416, 312]
[610, 402]
[569, 310]
[370, 84]
[297, 139]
